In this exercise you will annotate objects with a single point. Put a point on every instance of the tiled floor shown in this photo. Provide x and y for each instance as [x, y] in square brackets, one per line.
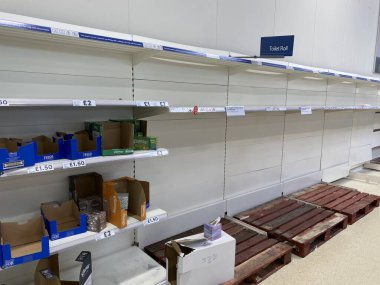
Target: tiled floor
[350, 258]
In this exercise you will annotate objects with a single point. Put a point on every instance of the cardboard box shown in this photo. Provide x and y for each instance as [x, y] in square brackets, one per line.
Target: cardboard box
[48, 273]
[117, 137]
[63, 220]
[80, 145]
[137, 201]
[86, 185]
[194, 260]
[23, 242]
[15, 153]
[46, 149]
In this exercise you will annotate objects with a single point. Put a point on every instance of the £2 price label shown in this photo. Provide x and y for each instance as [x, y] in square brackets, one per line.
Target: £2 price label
[84, 103]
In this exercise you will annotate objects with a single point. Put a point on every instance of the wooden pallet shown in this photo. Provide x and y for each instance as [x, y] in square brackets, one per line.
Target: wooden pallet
[376, 160]
[347, 201]
[257, 256]
[304, 226]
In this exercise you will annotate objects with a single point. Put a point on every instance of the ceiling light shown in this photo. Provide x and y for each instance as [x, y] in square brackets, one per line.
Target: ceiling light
[263, 72]
[183, 62]
[313, 78]
[346, 82]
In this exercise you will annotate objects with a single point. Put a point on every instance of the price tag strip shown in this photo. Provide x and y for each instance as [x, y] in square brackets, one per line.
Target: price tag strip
[4, 102]
[41, 168]
[74, 164]
[84, 103]
[105, 234]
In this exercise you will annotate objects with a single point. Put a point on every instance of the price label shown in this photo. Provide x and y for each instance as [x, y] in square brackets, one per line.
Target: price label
[105, 234]
[210, 55]
[41, 168]
[235, 111]
[84, 103]
[275, 109]
[4, 103]
[306, 110]
[64, 32]
[151, 220]
[74, 164]
[153, 46]
[152, 104]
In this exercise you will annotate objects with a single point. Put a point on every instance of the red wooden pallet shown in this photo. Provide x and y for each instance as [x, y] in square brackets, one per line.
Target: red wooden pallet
[257, 256]
[304, 226]
[347, 201]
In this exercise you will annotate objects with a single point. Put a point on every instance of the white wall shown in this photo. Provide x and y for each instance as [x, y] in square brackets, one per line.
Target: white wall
[336, 34]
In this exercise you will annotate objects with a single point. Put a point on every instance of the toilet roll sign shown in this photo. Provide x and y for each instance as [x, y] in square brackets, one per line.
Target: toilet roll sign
[277, 46]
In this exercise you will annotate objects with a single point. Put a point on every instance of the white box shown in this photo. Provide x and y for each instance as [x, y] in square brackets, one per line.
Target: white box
[200, 263]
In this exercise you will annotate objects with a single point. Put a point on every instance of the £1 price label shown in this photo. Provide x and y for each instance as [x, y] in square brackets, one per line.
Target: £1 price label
[41, 168]
[74, 164]
[4, 102]
[105, 234]
[152, 220]
[84, 103]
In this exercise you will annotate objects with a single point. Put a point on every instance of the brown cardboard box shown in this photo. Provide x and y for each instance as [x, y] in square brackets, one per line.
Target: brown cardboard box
[138, 199]
[86, 185]
[48, 273]
[45, 145]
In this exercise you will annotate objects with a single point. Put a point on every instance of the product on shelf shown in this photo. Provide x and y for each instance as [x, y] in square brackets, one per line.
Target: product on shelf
[213, 229]
[194, 260]
[48, 273]
[81, 145]
[123, 198]
[87, 191]
[47, 149]
[141, 140]
[63, 219]
[23, 242]
[138, 197]
[117, 137]
[15, 153]
[96, 221]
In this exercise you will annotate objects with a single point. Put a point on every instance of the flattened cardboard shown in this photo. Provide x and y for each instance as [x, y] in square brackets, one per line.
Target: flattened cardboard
[15, 153]
[199, 263]
[80, 145]
[138, 197]
[63, 220]
[47, 271]
[117, 137]
[23, 242]
[47, 149]
[86, 185]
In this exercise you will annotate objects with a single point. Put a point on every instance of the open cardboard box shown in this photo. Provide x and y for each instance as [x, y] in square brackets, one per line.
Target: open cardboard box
[81, 145]
[86, 185]
[138, 199]
[15, 153]
[48, 273]
[195, 260]
[23, 242]
[117, 137]
[47, 149]
[63, 220]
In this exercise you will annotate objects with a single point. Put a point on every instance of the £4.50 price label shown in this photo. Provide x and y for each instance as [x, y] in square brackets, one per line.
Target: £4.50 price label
[84, 103]
[151, 220]
[41, 168]
[4, 102]
[106, 234]
[74, 164]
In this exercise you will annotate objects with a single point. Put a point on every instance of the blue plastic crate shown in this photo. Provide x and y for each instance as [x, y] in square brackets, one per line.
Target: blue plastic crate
[22, 157]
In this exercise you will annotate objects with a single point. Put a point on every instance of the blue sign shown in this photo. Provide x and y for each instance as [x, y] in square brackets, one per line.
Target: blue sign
[277, 46]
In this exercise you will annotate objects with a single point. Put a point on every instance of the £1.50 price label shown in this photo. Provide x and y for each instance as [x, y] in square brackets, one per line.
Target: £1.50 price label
[41, 168]
[84, 103]
[4, 102]
[105, 234]
[151, 220]
[74, 164]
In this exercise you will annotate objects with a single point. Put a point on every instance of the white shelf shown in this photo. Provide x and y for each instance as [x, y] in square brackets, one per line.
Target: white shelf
[62, 163]
[34, 28]
[152, 216]
[14, 102]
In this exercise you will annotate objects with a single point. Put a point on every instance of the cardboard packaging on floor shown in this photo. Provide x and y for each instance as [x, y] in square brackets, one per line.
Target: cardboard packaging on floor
[138, 198]
[84, 186]
[48, 273]
[117, 137]
[80, 145]
[194, 260]
[15, 153]
[47, 149]
[63, 219]
[23, 242]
